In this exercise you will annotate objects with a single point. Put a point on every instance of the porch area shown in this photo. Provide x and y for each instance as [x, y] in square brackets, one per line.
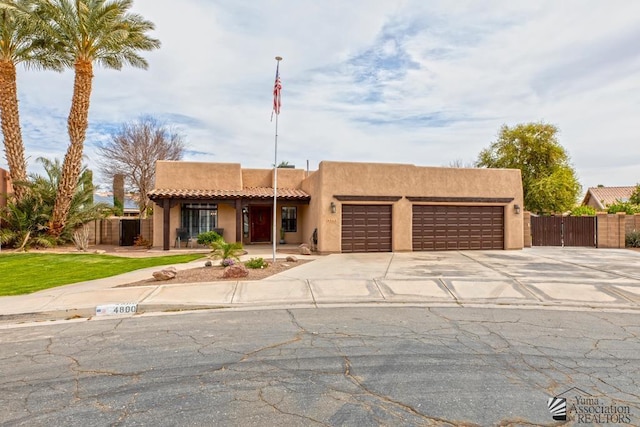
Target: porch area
[244, 216]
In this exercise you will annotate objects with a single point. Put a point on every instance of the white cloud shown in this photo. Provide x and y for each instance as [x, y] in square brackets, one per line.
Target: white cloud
[423, 82]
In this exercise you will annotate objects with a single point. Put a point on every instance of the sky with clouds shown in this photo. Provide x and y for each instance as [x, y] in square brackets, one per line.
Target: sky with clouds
[406, 81]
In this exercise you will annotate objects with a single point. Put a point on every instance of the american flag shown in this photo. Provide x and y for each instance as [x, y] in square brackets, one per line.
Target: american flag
[277, 87]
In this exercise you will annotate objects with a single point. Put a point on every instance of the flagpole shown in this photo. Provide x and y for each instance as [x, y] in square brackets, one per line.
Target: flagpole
[275, 170]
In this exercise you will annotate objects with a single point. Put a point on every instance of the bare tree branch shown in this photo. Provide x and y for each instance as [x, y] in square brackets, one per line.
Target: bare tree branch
[133, 152]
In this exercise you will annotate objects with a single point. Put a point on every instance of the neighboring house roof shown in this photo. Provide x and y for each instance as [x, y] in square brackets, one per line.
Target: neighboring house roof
[251, 192]
[601, 197]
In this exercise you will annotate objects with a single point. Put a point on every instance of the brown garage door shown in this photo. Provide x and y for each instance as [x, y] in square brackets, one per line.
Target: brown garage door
[441, 228]
[366, 228]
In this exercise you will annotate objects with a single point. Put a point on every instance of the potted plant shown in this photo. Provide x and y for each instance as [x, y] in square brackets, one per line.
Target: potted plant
[282, 236]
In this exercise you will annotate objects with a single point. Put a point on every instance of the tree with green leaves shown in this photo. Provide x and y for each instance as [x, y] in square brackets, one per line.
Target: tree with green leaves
[635, 196]
[26, 219]
[549, 181]
[17, 36]
[84, 32]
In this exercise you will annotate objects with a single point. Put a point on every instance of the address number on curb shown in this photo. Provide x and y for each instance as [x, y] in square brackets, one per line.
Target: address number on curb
[112, 309]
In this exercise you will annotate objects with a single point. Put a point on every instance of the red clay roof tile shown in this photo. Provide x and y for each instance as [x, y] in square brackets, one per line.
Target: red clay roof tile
[249, 193]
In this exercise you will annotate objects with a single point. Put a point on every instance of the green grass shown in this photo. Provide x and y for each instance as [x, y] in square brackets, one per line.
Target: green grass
[28, 272]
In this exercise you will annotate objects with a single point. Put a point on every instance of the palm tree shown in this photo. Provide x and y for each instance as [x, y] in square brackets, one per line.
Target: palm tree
[17, 32]
[84, 32]
[26, 220]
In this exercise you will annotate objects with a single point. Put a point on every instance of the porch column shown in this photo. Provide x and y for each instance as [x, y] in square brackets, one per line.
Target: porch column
[239, 220]
[166, 215]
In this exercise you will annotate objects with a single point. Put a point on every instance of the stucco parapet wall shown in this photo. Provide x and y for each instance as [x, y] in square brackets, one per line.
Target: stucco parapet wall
[383, 179]
[287, 177]
[254, 193]
[179, 175]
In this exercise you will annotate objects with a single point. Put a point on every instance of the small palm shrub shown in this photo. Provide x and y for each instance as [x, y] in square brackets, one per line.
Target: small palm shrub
[632, 239]
[223, 250]
[256, 263]
[208, 237]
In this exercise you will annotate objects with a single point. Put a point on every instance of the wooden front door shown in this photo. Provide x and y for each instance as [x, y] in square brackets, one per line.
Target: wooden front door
[260, 219]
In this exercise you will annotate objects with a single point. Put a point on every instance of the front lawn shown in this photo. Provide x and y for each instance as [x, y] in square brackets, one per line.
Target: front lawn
[24, 273]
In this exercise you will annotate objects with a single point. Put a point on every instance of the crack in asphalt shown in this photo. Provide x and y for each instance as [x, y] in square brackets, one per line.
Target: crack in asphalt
[275, 407]
[407, 408]
[491, 340]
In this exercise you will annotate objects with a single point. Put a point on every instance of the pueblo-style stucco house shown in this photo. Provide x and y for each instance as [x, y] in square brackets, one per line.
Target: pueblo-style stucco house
[342, 207]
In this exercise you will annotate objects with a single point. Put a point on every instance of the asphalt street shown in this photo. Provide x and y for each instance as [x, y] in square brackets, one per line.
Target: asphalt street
[328, 366]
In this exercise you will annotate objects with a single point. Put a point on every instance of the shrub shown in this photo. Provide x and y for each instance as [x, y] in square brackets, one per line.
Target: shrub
[141, 242]
[227, 262]
[207, 238]
[632, 239]
[626, 207]
[81, 238]
[583, 210]
[256, 263]
[223, 250]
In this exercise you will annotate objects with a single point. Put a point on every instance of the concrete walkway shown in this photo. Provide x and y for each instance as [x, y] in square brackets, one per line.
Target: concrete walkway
[564, 278]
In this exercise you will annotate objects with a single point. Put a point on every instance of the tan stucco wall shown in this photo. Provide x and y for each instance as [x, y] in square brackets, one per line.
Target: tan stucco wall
[385, 179]
[257, 178]
[290, 178]
[227, 220]
[177, 175]
[158, 216]
[287, 178]
[311, 186]
[594, 204]
[5, 187]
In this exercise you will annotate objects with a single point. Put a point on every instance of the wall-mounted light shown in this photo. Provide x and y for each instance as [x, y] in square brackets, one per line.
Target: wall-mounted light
[516, 209]
[333, 207]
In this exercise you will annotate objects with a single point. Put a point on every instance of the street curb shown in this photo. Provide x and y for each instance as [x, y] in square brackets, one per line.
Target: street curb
[158, 309]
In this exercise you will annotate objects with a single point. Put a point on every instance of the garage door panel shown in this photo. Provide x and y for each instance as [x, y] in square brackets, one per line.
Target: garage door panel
[366, 228]
[457, 227]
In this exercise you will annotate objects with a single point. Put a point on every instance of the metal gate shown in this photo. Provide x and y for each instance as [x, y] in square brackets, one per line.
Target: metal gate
[129, 230]
[563, 231]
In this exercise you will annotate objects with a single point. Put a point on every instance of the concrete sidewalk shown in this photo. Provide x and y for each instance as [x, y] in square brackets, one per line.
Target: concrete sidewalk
[565, 278]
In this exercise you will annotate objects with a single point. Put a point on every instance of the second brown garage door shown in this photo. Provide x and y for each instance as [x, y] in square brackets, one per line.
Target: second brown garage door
[366, 228]
[440, 228]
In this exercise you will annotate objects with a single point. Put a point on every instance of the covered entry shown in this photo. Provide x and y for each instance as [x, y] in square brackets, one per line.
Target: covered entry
[442, 227]
[366, 228]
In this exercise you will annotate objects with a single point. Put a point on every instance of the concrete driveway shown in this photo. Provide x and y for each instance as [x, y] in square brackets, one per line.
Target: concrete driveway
[547, 276]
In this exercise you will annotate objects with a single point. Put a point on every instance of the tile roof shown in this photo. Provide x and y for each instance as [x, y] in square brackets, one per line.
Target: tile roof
[605, 196]
[249, 193]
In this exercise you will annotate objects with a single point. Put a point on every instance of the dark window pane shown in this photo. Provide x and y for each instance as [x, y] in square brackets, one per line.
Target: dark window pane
[198, 218]
[289, 219]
